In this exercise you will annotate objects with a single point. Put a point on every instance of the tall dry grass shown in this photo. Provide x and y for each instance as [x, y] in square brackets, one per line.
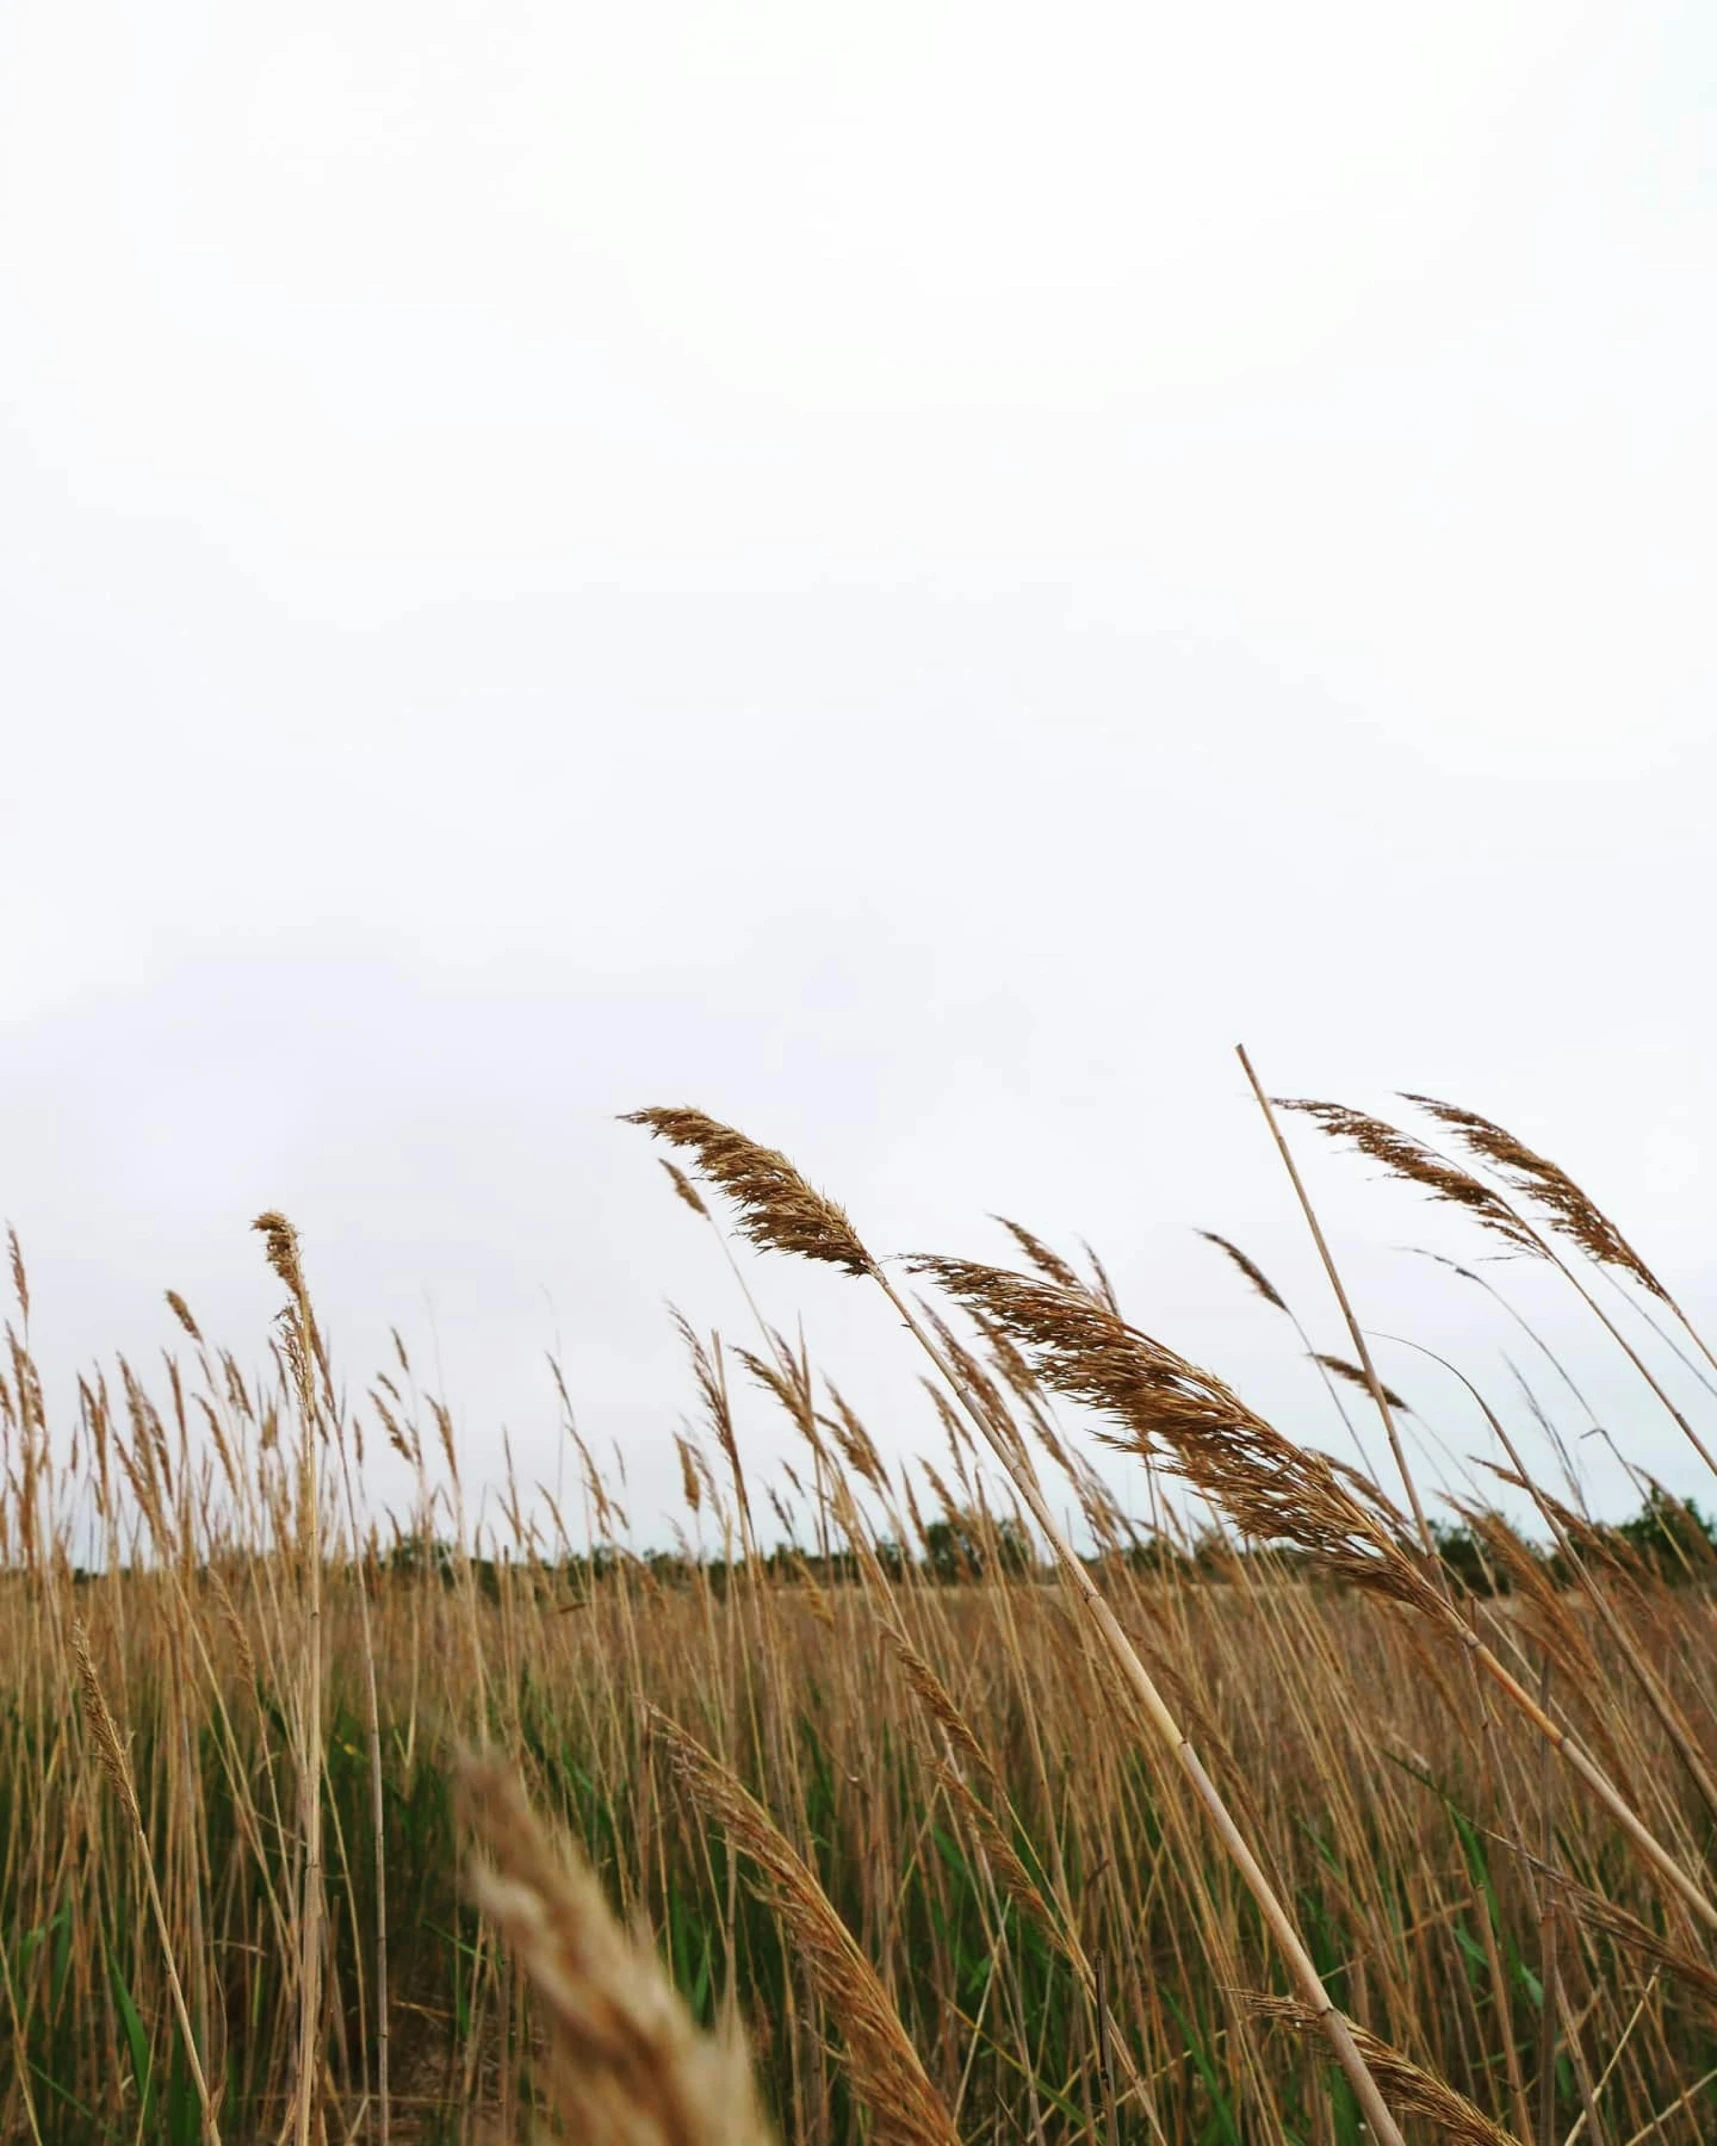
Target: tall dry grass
[972, 1829]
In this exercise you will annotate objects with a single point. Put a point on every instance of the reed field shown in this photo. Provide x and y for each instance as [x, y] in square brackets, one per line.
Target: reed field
[1304, 1814]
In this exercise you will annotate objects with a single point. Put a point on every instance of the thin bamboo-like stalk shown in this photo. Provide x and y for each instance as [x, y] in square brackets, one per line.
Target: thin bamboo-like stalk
[302, 1350]
[378, 1801]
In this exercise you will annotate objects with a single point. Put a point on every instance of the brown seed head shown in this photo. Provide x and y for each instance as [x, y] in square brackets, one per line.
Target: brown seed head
[854, 1440]
[1403, 1156]
[1356, 1377]
[938, 1702]
[1408, 2090]
[690, 1487]
[1603, 1914]
[1571, 1214]
[1248, 1267]
[1004, 1859]
[1162, 1405]
[685, 1189]
[778, 1210]
[182, 1312]
[280, 1242]
[1048, 1263]
[633, 2070]
[109, 1748]
[882, 2066]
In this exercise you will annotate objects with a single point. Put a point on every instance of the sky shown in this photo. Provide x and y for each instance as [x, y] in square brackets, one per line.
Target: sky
[908, 576]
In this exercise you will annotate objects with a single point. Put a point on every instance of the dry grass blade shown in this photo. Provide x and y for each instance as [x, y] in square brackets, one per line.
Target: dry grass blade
[1410, 2089]
[631, 2068]
[778, 1210]
[882, 2065]
[1549, 1187]
[1404, 1156]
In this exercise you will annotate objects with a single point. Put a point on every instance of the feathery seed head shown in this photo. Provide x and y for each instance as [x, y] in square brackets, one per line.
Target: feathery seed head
[684, 1189]
[182, 1312]
[1404, 1156]
[1163, 1405]
[1356, 1377]
[1248, 1267]
[884, 2068]
[280, 1241]
[1571, 1214]
[633, 2068]
[1048, 1263]
[109, 1748]
[778, 1209]
[1408, 2088]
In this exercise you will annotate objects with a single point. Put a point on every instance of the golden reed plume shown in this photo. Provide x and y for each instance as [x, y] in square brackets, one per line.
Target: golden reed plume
[629, 2066]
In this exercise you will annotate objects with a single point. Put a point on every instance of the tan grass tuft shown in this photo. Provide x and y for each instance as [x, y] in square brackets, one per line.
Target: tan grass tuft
[778, 1210]
[631, 2067]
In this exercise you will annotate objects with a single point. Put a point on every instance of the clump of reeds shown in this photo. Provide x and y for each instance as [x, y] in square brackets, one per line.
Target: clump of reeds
[115, 1762]
[912, 1829]
[777, 1207]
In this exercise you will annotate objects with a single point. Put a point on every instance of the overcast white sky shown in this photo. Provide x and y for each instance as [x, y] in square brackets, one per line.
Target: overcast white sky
[907, 574]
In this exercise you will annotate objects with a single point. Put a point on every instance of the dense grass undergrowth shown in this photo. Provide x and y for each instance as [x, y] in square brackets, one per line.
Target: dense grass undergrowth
[1203, 1832]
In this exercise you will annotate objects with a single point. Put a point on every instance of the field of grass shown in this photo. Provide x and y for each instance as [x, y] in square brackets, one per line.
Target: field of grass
[1312, 1827]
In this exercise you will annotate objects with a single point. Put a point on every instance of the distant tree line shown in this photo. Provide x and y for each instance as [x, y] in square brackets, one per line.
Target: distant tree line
[1668, 1540]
